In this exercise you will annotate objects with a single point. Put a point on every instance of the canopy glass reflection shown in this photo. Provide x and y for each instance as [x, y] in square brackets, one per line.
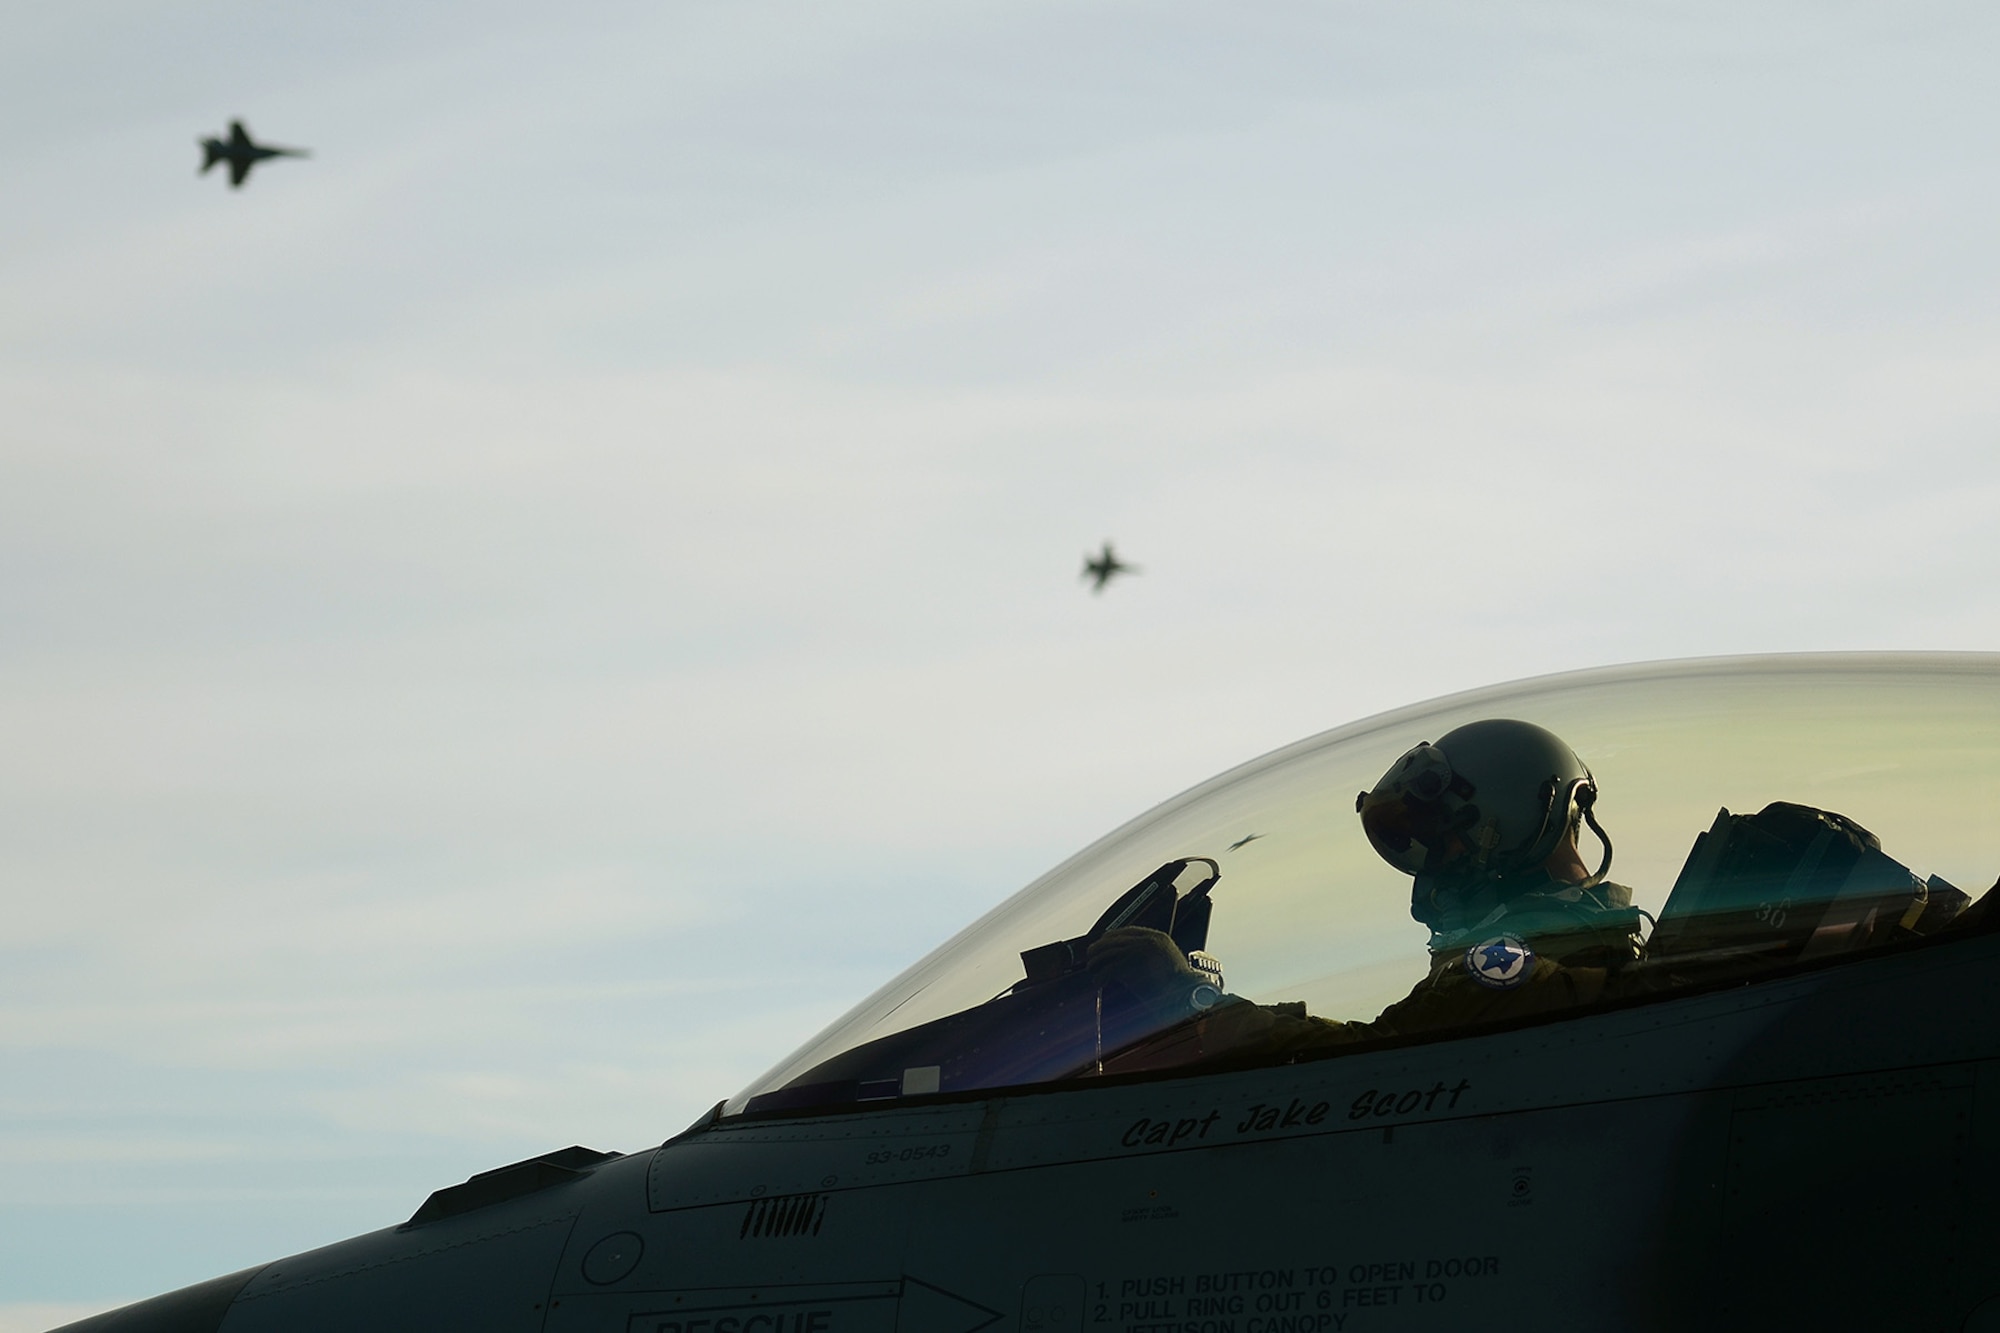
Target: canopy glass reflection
[1285, 922]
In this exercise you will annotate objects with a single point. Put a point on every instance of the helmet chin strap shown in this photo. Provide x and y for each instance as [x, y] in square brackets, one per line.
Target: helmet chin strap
[1426, 890]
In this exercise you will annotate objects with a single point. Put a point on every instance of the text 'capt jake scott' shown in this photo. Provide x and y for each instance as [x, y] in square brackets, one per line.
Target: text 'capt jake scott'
[1264, 1118]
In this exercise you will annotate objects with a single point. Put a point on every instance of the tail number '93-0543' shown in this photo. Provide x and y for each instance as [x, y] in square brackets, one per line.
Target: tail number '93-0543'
[917, 1153]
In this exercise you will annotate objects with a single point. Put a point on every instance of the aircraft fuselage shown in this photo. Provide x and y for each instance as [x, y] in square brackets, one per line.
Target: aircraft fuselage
[1747, 1157]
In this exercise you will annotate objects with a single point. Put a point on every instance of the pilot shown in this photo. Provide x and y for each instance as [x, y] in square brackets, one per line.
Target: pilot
[1486, 822]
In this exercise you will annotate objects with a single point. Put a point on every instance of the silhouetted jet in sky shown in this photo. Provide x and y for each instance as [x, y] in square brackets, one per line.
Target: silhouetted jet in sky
[1244, 841]
[1104, 567]
[241, 153]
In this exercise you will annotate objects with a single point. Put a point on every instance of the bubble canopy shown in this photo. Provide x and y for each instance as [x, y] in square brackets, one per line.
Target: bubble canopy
[1259, 923]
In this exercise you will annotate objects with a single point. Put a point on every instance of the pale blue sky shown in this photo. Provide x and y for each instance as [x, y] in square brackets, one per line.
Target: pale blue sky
[509, 625]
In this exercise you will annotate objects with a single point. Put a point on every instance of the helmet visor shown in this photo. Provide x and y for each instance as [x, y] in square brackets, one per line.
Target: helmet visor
[1408, 816]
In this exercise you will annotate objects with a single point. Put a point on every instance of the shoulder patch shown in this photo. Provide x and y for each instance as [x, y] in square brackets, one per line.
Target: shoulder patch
[1502, 962]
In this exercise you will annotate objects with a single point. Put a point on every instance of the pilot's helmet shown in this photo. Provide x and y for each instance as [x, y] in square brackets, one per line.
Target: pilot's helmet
[1488, 801]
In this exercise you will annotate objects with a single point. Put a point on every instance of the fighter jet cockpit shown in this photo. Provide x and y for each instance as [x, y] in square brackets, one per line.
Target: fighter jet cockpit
[1529, 854]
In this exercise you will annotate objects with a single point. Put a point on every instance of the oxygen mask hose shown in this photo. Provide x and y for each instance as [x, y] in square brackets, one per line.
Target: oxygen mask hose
[1604, 866]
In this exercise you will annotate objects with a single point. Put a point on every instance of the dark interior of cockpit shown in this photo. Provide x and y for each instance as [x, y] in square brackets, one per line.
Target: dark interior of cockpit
[1758, 895]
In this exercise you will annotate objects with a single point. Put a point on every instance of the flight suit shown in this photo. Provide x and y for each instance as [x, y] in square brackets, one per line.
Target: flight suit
[1569, 944]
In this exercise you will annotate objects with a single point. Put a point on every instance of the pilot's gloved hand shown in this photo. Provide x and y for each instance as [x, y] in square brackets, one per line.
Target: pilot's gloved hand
[1146, 962]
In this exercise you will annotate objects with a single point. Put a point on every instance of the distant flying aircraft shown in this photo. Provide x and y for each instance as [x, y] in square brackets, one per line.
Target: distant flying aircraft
[241, 152]
[1104, 567]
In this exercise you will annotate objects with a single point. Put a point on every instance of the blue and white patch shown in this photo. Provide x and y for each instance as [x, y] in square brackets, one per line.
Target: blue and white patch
[1502, 962]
